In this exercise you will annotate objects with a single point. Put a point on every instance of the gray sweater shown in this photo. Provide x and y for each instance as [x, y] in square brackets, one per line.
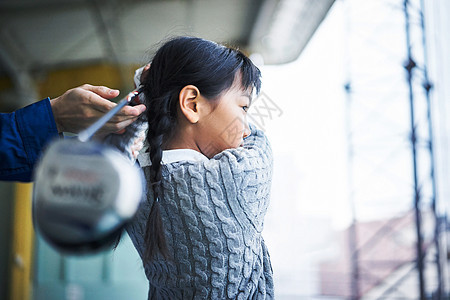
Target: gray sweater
[213, 214]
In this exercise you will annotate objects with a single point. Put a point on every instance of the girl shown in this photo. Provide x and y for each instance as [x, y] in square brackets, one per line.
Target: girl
[208, 172]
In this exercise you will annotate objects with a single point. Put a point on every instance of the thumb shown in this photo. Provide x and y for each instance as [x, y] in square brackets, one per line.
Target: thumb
[102, 91]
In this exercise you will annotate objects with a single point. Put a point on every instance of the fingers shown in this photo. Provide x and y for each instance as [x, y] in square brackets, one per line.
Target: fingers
[102, 91]
[132, 111]
[95, 98]
[94, 103]
[126, 113]
[126, 116]
[98, 104]
[111, 127]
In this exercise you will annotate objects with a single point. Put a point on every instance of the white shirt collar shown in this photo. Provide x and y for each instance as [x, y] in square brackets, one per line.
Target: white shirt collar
[175, 155]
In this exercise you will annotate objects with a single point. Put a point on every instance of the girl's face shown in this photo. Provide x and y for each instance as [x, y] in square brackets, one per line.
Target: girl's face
[225, 126]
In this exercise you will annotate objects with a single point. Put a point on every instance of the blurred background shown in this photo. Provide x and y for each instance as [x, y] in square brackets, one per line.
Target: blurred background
[355, 102]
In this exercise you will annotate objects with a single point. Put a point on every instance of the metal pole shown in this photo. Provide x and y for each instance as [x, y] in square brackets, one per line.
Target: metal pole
[409, 66]
[352, 232]
[427, 87]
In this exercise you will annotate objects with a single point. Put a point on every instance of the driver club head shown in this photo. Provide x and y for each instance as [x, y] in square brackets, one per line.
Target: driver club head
[84, 194]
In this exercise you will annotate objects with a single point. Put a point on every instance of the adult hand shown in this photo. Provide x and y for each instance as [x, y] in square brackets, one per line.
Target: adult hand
[78, 108]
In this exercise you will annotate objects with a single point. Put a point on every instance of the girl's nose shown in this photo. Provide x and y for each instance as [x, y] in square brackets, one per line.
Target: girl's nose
[247, 130]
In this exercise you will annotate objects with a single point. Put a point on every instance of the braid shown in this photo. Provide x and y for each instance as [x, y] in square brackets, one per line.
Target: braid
[161, 124]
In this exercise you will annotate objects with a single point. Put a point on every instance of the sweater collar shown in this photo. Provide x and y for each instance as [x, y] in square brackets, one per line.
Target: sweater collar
[171, 156]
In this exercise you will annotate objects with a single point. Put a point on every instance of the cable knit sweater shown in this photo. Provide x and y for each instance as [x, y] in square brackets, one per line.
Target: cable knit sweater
[213, 213]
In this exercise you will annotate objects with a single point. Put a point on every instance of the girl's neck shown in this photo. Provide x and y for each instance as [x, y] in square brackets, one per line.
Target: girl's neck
[181, 140]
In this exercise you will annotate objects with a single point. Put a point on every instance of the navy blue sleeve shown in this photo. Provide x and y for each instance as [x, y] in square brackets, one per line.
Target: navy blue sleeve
[23, 135]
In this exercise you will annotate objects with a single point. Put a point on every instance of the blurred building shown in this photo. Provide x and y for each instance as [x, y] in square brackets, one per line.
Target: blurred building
[386, 261]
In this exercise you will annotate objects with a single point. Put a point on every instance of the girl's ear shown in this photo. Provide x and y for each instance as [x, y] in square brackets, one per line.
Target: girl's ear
[189, 99]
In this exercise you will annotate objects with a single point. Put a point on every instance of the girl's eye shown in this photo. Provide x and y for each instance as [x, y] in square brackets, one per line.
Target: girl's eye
[245, 108]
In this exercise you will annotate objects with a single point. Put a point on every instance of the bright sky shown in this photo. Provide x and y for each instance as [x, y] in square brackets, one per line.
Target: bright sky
[309, 138]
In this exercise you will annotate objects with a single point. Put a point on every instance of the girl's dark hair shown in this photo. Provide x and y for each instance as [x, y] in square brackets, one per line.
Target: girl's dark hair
[180, 62]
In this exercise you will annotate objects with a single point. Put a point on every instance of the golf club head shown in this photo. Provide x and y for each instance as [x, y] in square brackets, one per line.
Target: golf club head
[84, 194]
